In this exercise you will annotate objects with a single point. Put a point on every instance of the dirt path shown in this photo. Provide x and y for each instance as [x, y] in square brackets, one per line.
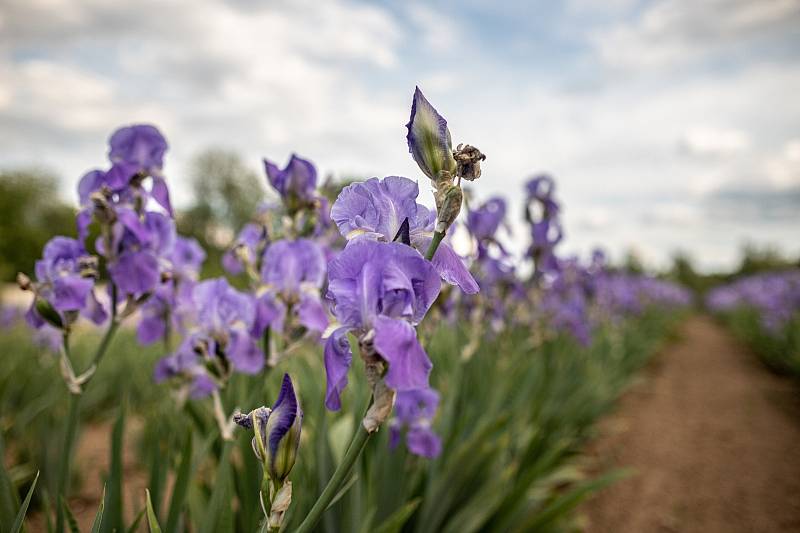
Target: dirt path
[714, 440]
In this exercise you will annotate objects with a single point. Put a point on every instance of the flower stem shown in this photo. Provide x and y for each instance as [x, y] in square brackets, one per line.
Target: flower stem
[356, 446]
[71, 428]
[434, 245]
[66, 457]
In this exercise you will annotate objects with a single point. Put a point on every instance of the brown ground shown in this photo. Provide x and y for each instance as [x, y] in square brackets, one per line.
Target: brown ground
[714, 440]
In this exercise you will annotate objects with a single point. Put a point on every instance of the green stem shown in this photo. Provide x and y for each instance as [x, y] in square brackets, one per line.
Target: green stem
[437, 239]
[104, 343]
[66, 457]
[356, 446]
[71, 429]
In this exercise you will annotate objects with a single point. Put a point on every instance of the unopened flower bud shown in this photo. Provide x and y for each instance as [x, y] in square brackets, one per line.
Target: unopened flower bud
[46, 310]
[429, 138]
[277, 432]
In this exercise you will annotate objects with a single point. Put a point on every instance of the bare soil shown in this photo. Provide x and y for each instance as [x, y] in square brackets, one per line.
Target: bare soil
[713, 439]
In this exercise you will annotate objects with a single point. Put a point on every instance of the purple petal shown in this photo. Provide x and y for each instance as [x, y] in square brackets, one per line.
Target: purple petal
[377, 207]
[338, 358]
[450, 266]
[422, 441]
[160, 193]
[135, 273]
[83, 221]
[409, 366]
[141, 145]
[244, 353]
[94, 310]
[89, 183]
[202, 386]
[283, 415]
[287, 264]
[270, 312]
[70, 292]
[311, 313]
[151, 329]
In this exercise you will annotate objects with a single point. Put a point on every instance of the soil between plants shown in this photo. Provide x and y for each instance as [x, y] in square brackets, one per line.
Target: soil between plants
[713, 439]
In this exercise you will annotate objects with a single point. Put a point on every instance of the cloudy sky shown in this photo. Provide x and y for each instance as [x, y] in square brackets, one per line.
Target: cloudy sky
[671, 124]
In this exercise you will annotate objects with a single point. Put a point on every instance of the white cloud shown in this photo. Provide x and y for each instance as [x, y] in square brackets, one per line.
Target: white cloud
[783, 170]
[333, 81]
[712, 141]
[675, 32]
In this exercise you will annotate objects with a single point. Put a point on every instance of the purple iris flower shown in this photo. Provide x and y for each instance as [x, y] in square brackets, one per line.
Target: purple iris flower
[429, 138]
[293, 272]
[380, 291]
[484, 222]
[541, 212]
[65, 281]
[136, 152]
[377, 208]
[280, 429]
[413, 412]
[186, 363]
[219, 339]
[142, 147]
[170, 306]
[142, 248]
[296, 183]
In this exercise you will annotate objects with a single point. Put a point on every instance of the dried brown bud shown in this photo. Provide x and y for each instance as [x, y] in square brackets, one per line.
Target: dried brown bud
[468, 162]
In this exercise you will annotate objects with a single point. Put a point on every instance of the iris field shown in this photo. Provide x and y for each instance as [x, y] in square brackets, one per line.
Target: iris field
[367, 363]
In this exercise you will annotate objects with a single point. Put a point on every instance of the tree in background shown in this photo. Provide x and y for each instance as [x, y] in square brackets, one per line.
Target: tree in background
[225, 194]
[32, 210]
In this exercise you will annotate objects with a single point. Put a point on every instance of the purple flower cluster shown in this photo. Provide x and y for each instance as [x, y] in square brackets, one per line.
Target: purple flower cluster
[542, 214]
[774, 295]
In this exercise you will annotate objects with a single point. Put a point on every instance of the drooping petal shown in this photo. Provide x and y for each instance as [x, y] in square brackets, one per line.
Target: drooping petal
[270, 312]
[338, 358]
[135, 273]
[244, 353]
[150, 329]
[70, 292]
[429, 138]
[450, 266]
[311, 313]
[160, 193]
[89, 183]
[396, 342]
[422, 441]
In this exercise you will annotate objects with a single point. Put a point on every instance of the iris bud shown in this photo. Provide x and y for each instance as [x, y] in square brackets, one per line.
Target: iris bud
[277, 432]
[429, 138]
[46, 310]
